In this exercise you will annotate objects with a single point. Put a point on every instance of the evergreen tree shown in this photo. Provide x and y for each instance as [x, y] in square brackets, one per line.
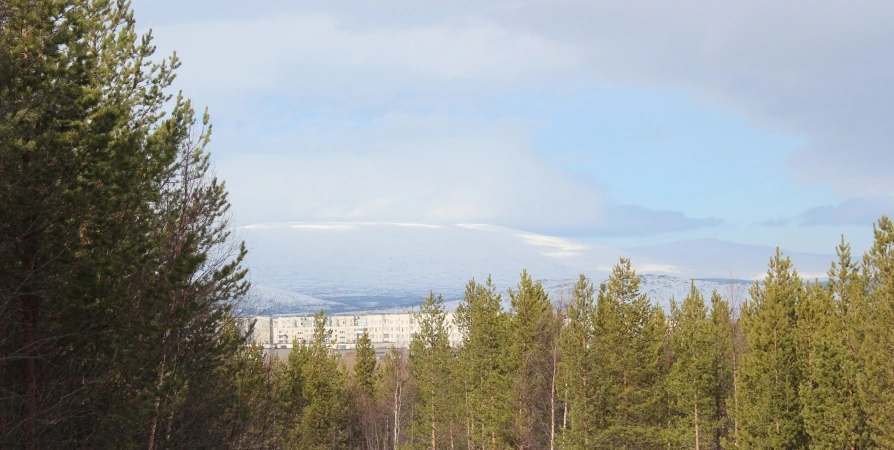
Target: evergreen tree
[847, 289]
[824, 390]
[767, 404]
[365, 374]
[431, 363]
[692, 379]
[630, 333]
[579, 361]
[482, 357]
[530, 339]
[877, 346]
[723, 331]
[115, 253]
[323, 422]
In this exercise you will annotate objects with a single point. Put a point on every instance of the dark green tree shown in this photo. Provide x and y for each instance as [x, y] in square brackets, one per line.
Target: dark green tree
[114, 254]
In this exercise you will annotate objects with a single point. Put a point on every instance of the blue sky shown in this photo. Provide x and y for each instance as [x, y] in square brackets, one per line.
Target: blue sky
[624, 123]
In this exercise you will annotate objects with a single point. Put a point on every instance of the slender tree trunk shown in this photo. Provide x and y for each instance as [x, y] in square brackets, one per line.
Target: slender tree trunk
[698, 437]
[552, 397]
[31, 316]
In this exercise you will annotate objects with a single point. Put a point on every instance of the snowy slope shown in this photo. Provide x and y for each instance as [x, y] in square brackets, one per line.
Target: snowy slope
[384, 265]
[711, 258]
[266, 300]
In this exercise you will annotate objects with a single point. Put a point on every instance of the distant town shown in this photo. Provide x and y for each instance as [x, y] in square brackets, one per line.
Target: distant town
[386, 330]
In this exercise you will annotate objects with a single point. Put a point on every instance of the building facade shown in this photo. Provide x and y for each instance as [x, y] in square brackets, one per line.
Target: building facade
[385, 330]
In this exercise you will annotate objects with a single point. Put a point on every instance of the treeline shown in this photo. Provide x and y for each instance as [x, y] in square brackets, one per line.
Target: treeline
[801, 364]
[118, 274]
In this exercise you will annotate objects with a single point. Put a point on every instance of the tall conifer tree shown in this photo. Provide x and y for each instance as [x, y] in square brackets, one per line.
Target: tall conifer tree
[530, 339]
[432, 366]
[580, 358]
[768, 407]
[723, 332]
[484, 329]
[877, 346]
[630, 333]
[692, 378]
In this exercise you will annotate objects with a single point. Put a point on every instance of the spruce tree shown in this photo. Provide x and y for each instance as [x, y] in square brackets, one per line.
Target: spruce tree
[767, 404]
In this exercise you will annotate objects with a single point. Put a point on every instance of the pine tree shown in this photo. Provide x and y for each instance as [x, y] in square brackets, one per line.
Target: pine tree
[530, 339]
[692, 379]
[579, 359]
[824, 390]
[365, 374]
[768, 408]
[630, 333]
[877, 346]
[432, 366]
[847, 289]
[116, 255]
[323, 422]
[723, 332]
[482, 358]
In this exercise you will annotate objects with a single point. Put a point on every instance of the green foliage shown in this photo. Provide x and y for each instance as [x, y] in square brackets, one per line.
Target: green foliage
[116, 266]
[723, 350]
[530, 340]
[365, 366]
[692, 380]
[433, 368]
[323, 422]
[580, 357]
[877, 346]
[768, 406]
[483, 361]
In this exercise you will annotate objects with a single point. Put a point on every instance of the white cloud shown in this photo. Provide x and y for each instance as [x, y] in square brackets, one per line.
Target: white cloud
[408, 169]
[429, 169]
[819, 70]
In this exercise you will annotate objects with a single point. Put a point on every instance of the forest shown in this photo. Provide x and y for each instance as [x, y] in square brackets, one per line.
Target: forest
[120, 275]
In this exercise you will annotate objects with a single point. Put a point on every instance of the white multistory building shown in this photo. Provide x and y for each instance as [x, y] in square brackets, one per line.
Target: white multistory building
[385, 330]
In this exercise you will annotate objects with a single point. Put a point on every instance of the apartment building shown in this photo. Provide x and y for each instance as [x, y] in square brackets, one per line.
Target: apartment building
[384, 330]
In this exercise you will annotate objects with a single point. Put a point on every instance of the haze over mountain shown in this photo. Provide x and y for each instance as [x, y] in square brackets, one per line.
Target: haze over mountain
[340, 266]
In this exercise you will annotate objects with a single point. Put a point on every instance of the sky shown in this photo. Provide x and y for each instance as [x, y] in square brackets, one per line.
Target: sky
[622, 123]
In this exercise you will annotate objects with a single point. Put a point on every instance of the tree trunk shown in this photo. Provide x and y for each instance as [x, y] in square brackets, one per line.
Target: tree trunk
[698, 438]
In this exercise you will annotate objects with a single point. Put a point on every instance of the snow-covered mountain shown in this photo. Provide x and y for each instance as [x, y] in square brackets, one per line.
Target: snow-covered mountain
[267, 300]
[298, 267]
